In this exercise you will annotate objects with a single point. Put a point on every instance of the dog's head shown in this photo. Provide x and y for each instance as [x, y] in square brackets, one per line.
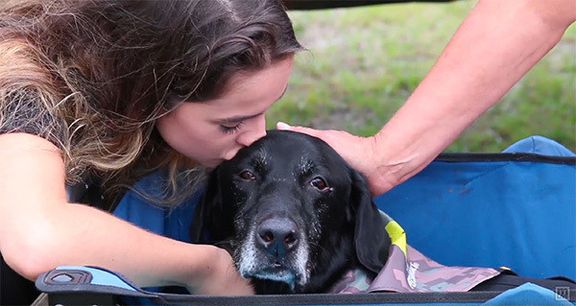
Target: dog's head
[293, 212]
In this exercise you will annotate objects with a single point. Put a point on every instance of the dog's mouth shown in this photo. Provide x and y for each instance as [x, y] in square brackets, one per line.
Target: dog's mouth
[253, 264]
[275, 272]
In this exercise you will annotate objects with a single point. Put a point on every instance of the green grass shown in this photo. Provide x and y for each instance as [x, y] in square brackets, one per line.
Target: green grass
[364, 62]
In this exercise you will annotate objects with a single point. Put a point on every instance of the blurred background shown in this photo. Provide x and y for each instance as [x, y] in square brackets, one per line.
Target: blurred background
[364, 62]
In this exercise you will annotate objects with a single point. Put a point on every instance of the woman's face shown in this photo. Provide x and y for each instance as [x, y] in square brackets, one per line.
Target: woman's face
[213, 131]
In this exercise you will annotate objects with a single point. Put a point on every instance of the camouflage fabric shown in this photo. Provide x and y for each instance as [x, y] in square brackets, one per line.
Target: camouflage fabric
[407, 270]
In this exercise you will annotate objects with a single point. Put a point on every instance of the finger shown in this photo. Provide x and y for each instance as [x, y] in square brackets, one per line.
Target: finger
[283, 126]
[300, 129]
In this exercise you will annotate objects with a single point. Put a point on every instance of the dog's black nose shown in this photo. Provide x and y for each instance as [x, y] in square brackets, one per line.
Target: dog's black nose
[277, 235]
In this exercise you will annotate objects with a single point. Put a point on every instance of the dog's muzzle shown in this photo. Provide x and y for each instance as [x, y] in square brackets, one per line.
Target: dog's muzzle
[275, 250]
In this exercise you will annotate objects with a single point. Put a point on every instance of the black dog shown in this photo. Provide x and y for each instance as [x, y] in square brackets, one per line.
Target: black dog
[294, 215]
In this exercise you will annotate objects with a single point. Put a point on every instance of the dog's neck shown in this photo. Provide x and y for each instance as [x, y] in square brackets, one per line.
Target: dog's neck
[340, 261]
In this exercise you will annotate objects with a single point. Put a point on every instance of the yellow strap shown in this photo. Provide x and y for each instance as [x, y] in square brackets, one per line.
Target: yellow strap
[397, 235]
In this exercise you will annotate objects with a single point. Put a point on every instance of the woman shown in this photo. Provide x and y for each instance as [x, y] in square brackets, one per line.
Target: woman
[114, 90]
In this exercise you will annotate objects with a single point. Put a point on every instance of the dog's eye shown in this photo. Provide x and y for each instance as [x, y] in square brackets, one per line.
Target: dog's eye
[320, 184]
[247, 175]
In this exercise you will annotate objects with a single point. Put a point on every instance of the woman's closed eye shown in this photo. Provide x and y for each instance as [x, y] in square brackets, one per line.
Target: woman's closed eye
[231, 128]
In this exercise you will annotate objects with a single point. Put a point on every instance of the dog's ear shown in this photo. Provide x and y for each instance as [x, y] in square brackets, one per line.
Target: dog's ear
[371, 239]
[207, 210]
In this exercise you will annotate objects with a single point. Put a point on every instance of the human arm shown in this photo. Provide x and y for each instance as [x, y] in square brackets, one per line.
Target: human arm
[39, 230]
[498, 42]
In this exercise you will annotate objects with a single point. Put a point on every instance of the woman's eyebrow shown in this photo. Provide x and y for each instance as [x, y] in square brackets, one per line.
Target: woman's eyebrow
[237, 119]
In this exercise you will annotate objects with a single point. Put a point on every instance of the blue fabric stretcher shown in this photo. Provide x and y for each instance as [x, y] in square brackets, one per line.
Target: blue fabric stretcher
[513, 210]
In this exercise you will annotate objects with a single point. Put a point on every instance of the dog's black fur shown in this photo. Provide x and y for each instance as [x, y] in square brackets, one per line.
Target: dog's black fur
[294, 215]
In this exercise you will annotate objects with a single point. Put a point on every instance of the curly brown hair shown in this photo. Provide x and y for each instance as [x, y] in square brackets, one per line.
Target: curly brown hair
[93, 76]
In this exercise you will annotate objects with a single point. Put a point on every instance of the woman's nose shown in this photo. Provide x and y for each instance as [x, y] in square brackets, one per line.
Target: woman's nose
[255, 131]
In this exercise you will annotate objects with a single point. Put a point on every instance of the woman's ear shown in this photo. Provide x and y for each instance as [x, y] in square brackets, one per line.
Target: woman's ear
[371, 239]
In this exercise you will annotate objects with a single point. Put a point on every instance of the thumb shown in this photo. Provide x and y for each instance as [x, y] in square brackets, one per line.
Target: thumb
[310, 131]
[283, 126]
